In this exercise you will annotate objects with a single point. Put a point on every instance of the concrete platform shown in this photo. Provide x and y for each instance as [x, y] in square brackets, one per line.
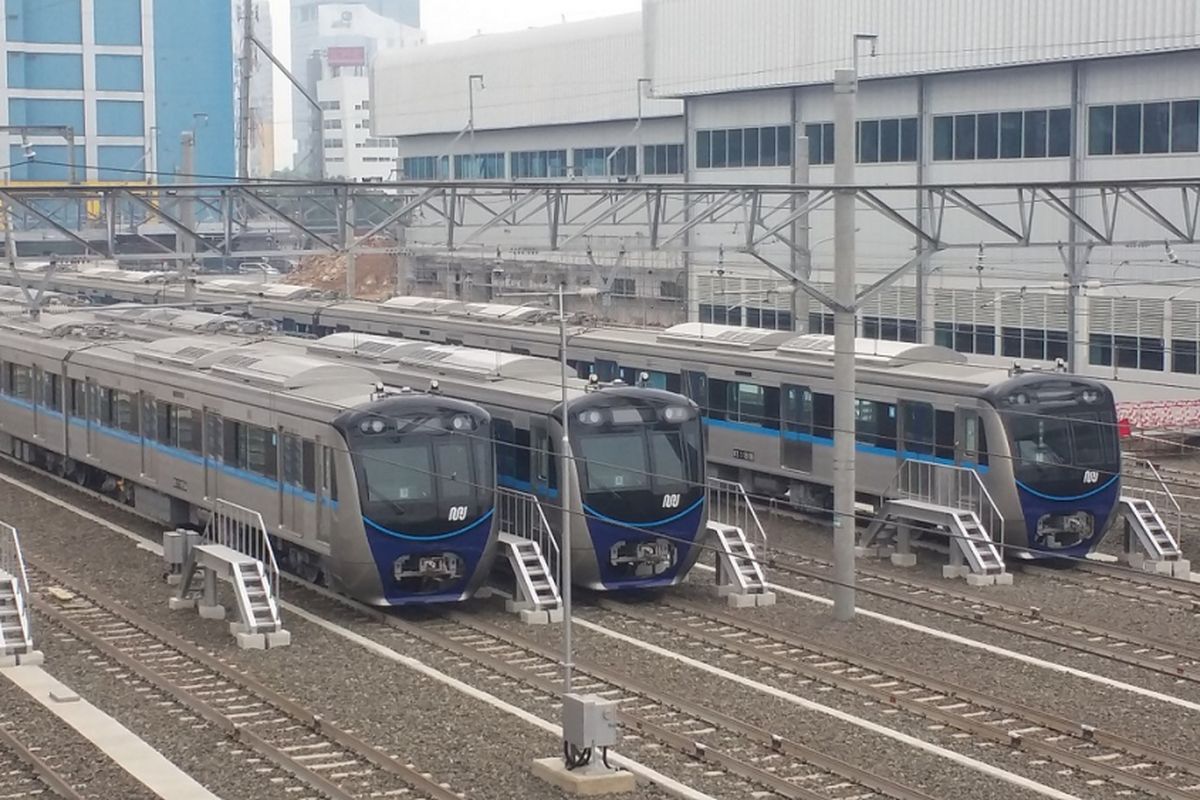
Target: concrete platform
[129, 751]
[590, 781]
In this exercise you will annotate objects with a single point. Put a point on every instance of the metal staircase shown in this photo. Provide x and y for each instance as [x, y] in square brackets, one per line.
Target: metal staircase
[740, 577]
[1160, 551]
[16, 634]
[949, 499]
[533, 555]
[235, 548]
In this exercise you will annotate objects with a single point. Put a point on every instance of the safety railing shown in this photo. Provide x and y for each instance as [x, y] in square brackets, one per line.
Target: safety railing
[11, 560]
[950, 486]
[522, 515]
[1141, 478]
[728, 503]
[242, 529]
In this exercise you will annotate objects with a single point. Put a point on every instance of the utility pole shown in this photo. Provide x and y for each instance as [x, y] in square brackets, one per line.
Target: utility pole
[845, 97]
[801, 251]
[184, 245]
[246, 66]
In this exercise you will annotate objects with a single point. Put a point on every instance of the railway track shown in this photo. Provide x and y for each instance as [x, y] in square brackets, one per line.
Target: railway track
[1164, 658]
[736, 753]
[312, 758]
[28, 774]
[1095, 754]
[1122, 582]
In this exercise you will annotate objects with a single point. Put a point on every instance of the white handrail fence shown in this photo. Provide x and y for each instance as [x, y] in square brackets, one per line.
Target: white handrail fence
[522, 515]
[729, 503]
[243, 529]
[951, 486]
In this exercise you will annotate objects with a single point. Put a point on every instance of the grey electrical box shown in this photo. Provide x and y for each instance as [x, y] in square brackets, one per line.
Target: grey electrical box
[589, 721]
[176, 545]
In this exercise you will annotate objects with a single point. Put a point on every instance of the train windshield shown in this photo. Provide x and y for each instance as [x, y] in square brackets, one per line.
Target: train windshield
[421, 473]
[1061, 444]
[645, 459]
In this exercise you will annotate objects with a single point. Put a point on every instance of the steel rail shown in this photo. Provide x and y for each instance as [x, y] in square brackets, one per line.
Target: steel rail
[45, 773]
[314, 723]
[1059, 725]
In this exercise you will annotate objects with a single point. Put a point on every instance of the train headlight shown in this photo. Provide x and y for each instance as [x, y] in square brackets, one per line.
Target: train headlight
[676, 414]
[1020, 399]
[591, 417]
[372, 426]
[1090, 396]
[462, 423]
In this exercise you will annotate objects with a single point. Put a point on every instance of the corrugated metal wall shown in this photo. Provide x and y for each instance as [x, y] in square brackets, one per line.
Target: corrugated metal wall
[572, 73]
[704, 46]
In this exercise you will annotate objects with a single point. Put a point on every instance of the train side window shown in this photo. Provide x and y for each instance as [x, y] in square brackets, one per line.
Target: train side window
[78, 398]
[51, 391]
[262, 451]
[308, 465]
[695, 388]
[875, 423]
[504, 436]
[717, 401]
[606, 370]
[293, 458]
[20, 381]
[125, 412]
[545, 464]
[234, 446]
[4, 378]
[983, 445]
[165, 422]
[185, 433]
[823, 415]
[753, 404]
[523, 452]
[798, 408]
[943, 446]
[916, 426]
[214, 431]
[673, 382]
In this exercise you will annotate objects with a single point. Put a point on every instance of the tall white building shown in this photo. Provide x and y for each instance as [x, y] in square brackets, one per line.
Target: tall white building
[262, 97]
[351, 151]
[343, 27]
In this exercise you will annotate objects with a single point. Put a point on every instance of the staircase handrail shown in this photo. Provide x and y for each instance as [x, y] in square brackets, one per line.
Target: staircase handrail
[902, 484]
[719, 486]
[11, 559]
[1166, 491]
[543, 534]
[232, 522]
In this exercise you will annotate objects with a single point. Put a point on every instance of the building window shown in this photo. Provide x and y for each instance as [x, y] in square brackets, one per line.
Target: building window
[624, 287]
[720, 315]
[769, 146]
[820, 142]
[1037, 133]
[605, 161]
[662, 159]
[670, 290]
[484, 166]
[333, 124]
[330, 105]
[889, 328]
[538, 164]
[1036, 343]
[1144, 128]
[884, 141]
[966, 338]
[333, 143]
[426, 168]
[1129, 352]
[819, 322]
[1185, 356]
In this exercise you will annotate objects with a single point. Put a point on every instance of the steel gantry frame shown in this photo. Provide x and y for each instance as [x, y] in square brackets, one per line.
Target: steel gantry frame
[141, 223]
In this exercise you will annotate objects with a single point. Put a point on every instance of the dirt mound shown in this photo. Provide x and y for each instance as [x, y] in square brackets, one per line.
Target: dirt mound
[375, 274]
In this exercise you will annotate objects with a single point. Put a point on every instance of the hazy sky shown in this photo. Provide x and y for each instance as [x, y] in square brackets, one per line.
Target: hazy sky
[446, 21]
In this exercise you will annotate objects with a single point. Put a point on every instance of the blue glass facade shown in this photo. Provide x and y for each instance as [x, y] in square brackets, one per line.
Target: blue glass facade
[193, 73]
[185, 51]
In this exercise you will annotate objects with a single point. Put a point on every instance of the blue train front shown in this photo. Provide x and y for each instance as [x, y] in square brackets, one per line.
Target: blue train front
[1060, 484]
[422, 500]
[638, 484]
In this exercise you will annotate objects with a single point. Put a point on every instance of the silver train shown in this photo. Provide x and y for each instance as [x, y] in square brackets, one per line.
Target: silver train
[180, 408]
[1045, 445]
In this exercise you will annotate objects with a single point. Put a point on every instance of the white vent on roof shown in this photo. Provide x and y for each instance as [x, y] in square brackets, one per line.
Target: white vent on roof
[703, 334]
[876, 352]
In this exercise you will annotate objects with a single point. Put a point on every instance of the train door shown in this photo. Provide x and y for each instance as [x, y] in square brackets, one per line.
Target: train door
[298, 511]
[796, 447]
[327, 493]
[969, 446]
[695, 388]
[544, 470]
[91, 396]
[214, 448]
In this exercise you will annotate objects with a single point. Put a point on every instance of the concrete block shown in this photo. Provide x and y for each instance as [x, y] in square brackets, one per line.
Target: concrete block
[251, 641]
[904, 559]
[174, 579]
[740, 600]
[212, 612]
[531, 616]
[515, 606]
[63, 695]
[1004, 579]
[34, 658]
[279, 638]
[975, 579]
[8, 661]
[236, 627]
[555, 615]
[951, 571]
[1181, 569]
[764, 599]
[1157, 567]
[590, 781]
[883, 551]
[177, 603]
